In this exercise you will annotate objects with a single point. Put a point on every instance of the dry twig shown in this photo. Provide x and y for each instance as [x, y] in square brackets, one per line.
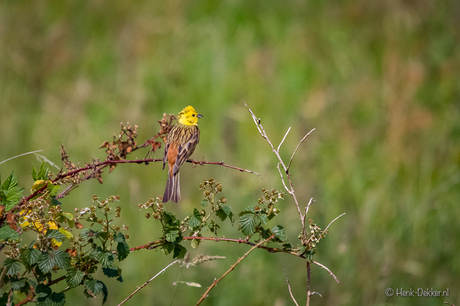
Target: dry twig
[205, 295]
[145, 284]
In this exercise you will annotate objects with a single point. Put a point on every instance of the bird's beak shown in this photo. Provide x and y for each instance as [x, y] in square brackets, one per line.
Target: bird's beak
[199, 115]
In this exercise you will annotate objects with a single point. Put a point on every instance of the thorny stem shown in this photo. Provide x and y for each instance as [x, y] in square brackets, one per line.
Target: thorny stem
[103, 164]
[145, 284]
[308, 283]
[233, 267]
[289, 287]
[289, 189]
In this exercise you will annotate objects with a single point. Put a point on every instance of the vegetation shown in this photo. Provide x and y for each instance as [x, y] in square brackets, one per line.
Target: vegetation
[377, 80]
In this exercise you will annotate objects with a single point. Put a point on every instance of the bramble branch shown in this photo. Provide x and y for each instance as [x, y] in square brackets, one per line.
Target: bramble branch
[145, 284]
[99, 166]
[159, 243]
[205, 295]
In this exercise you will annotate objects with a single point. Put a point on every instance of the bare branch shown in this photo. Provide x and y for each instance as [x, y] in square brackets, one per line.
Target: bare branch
[195, 162]
[145, 284]
[289, 287]
[278, 149]
[327, 269]
[304, 218]
[31, 152]
[332, 222]
[282, 179]
[295, 151]
[205, 295]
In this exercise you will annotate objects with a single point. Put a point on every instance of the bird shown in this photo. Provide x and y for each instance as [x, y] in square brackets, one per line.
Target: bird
[181, 141]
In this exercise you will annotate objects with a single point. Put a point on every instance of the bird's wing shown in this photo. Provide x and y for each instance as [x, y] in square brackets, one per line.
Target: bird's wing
[185, 151]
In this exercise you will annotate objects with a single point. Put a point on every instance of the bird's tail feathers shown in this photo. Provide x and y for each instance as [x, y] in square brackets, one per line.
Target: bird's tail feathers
[172, 191]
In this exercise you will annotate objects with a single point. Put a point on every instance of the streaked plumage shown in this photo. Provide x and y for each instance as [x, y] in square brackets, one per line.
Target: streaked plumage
[180, 144]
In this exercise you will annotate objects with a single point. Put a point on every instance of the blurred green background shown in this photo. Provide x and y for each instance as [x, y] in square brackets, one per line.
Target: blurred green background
[379, 80]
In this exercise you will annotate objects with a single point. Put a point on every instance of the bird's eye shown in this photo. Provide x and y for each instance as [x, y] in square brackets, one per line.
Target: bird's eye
[193, 115]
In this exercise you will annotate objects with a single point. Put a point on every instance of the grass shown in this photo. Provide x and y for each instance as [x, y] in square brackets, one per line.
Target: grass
[378, 81]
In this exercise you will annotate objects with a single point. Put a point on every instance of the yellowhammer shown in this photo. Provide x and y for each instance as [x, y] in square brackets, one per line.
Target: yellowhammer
[180, 144]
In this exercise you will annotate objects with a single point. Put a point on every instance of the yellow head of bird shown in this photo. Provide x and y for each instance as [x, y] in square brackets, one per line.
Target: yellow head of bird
[188, 116]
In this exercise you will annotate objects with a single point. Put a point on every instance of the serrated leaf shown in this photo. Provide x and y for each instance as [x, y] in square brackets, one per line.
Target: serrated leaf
[7, 232]
[168, 247]
[179, 251]
[110, 272]
[96, 287]
[12, 266]
[195, 219]
[122, 250]
[53, 189]
[74, 277]
[30, 256]
[221, 214]
[10, 193]
[119, 237]
[263, 218]
[43, 291]
[248, 222]
[51, 259]
[87, 233]
[104, 257]
[172, 234]
[42, 174]
[53, 299]
[55, 202]
[55, 234]
[102, 235]
[228, 210]
[169, 219]
[18, 284]
[280, 234]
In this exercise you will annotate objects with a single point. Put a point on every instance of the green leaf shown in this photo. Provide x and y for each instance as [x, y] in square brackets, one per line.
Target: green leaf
[7, 232]
[42, 174]
[10, 193]
[95, 287]
[228, 211]
[104, 257]
[168, 247]
[18, 284]
[51, 259]
[204, 202]
[169, 218]
[221, 214]
[55, 234]
[263, 218]
[280, 234]
[53, 189]
[43, 291]
[74, 277]
[173, 234]
[122, 250]
[12, 266]
[248, 222]
[195, 219]
[110, 272]
[30, 256]
[119, 237]
[179, 251]
[122, 246]
[46, 297]
[55, 202]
